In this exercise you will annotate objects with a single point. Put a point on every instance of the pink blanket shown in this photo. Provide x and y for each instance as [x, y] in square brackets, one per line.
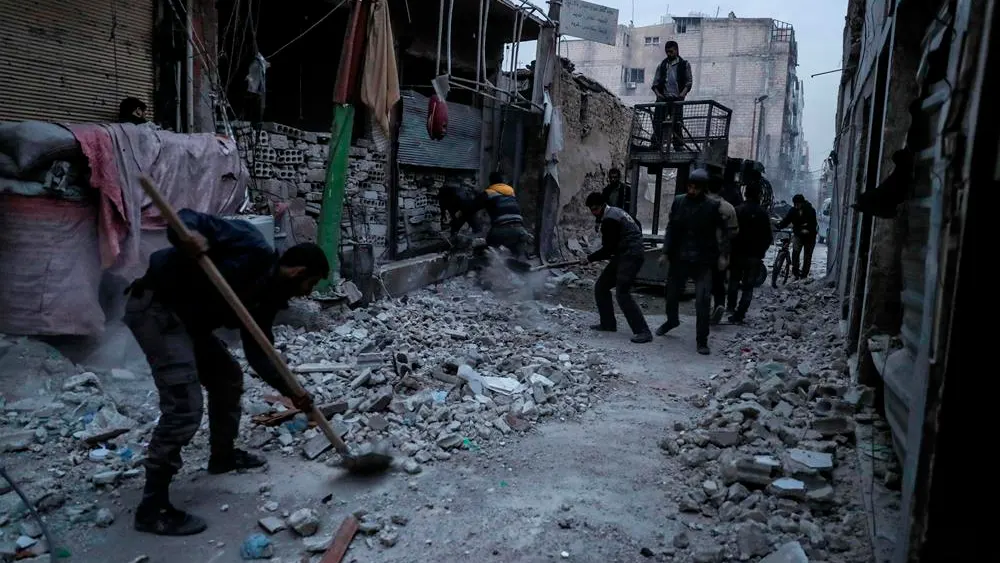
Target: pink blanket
[112, 216]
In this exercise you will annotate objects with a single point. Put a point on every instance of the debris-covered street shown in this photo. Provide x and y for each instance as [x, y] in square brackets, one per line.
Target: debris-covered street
[515, 440]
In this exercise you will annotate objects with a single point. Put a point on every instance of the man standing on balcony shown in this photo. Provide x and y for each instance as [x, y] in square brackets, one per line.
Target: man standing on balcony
[671, 83]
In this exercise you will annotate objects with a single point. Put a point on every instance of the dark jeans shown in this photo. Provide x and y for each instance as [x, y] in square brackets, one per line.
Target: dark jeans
[676, 113]
[805, 245]
[742, 272]
[677, 277]
[620, 274]
[512, 237]
[181, 365]
[719, 287]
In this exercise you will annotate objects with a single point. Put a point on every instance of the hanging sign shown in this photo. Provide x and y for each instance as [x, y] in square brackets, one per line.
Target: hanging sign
[589, 21]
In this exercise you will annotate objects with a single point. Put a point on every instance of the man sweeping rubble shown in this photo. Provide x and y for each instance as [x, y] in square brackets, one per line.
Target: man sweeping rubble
[172, 311]
[621, 245]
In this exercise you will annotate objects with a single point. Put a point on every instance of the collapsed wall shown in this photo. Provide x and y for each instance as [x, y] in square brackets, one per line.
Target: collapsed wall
[596, 129]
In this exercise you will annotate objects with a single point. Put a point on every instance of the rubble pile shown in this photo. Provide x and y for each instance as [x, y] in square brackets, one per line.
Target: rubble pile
[441, 370]
[771, 462]
[435, 371]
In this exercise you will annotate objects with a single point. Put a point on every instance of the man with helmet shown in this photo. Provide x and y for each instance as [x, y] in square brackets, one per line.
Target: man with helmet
[691, 250]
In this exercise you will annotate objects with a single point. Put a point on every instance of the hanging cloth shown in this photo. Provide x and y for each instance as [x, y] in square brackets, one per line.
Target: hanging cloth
[380, 80]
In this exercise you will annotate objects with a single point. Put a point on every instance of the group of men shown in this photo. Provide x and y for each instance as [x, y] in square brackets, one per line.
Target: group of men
[707, 240]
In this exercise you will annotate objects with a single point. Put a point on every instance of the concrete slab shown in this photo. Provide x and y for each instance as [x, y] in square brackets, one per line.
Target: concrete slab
[405, 276]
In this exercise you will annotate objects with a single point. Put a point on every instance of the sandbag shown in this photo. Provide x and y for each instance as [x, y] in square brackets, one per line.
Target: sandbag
[35, 144]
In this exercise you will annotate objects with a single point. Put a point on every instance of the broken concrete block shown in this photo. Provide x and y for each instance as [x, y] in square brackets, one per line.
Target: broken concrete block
[304, 522]
[790, 552]
[271, 524]
[787, 487]
[450, 441]
[833, 426]
[751, 540]
[377, 402]
[817, 461]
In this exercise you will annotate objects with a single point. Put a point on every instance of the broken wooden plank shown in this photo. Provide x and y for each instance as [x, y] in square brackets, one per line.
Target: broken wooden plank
[342, 541]
[276, 418]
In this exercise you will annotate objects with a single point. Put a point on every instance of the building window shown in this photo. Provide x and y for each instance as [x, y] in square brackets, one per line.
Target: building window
[652, 41]
[680, 26]
[635, 75]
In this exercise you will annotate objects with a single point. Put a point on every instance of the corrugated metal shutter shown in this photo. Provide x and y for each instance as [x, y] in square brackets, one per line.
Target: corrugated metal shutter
[920, 249]
[74, 60]
[459, 149]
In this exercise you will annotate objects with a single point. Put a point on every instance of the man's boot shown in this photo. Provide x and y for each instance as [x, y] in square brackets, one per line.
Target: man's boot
[155, 514]
[224, 460]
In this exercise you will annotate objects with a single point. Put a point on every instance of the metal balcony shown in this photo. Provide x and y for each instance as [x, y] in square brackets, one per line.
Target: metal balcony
[702, 134]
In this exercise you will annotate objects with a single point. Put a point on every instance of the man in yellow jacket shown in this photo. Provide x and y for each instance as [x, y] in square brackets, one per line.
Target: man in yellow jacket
[506, 223]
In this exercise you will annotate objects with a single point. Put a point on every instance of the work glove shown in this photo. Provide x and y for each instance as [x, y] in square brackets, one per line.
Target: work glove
[303, 402]
[663, 261]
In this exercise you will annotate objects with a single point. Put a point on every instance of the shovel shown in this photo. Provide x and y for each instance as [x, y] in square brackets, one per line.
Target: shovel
[373, 461]
[525, 268]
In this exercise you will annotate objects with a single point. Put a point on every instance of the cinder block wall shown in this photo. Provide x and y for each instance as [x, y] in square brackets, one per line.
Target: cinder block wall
[288, 165]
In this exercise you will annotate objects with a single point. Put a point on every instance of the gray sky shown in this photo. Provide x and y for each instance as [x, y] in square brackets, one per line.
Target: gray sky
[819, 28]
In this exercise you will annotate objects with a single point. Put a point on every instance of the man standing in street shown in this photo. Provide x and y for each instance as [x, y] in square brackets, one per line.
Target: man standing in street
[671, 83]
[732, 227]
[691, 250]
[172, 311]
[749, 247]
[621, 245]
[802, 218]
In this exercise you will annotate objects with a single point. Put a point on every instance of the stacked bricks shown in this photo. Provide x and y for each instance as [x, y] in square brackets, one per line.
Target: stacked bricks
[289, 165]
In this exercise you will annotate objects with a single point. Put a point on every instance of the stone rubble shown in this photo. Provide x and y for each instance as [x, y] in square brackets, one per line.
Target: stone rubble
[771, 460]
[439, 372]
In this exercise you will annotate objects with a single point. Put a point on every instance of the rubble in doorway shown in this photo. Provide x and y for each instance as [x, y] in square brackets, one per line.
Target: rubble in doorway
[448, 369]
[771, 466]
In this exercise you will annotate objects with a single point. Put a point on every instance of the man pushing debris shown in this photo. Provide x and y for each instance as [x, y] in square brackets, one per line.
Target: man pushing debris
[506, 223]
[173, 311]
[621, 244]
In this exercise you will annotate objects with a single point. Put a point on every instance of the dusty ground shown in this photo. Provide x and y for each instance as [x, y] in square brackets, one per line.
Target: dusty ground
[602, 475]
[596, 487]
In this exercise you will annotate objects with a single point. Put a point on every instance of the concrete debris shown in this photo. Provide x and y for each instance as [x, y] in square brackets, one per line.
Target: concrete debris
[305, 522]
[763, 458]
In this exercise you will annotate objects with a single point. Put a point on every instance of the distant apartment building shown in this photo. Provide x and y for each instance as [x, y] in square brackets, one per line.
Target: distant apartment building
[746, 64]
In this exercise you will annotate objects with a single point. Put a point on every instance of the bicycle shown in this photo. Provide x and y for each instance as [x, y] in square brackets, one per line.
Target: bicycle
[783, 261]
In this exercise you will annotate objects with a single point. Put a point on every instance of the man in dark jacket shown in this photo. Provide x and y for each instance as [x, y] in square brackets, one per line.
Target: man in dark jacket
[671, 83]
[173, 311]
[749, 247]
[616, 193]
[506, 224]
[457, 201]
[802, 218]
[621, 245]
[691, 246]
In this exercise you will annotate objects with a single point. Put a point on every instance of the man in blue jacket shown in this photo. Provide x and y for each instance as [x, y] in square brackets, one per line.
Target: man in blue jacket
[172, 311]
[621, 245]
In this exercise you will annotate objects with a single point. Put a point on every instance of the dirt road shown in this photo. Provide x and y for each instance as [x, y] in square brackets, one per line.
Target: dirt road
[594, 488]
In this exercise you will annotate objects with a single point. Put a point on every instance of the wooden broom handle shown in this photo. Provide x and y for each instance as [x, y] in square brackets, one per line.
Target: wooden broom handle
[175, 223]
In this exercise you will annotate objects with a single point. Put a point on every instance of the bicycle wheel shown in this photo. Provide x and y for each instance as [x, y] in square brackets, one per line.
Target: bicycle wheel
[779, 263]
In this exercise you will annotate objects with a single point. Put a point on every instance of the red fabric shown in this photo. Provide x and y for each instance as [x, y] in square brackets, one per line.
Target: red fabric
[105, 177]
[437, 118]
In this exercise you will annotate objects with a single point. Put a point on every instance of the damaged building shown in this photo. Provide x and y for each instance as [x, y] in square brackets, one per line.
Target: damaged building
[255, 86]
